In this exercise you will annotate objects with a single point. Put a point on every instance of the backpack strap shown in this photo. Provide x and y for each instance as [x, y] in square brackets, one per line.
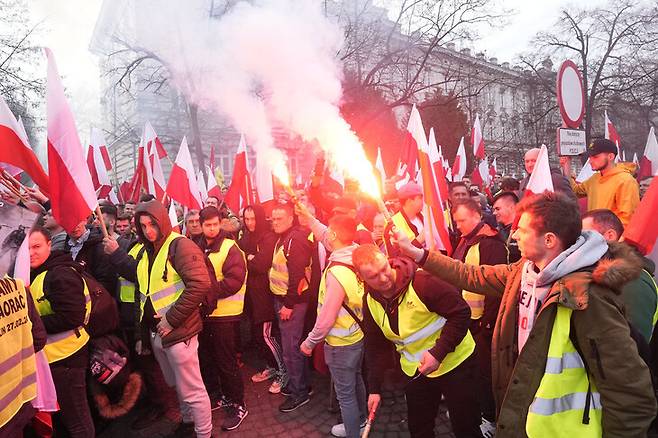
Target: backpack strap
[345, 306]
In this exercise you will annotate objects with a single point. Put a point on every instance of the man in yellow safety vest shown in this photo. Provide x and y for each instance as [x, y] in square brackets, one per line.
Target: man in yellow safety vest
[563, 361]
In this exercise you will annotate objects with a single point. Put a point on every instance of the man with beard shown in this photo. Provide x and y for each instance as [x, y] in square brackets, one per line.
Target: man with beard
[613, 187]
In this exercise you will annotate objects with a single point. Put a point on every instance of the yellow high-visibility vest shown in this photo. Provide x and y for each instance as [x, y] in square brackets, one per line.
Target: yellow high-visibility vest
[161, 284]
[401, 224]
[418, 330]
[61, 345]
[475, 301]
[18, 384]
[234, 304]
[126, 287]
[278, 273]
[560, 400]
[346, 330]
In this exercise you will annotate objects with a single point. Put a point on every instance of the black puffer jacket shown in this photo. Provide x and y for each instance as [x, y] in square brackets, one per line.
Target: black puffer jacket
[259, 302]
[64, 289]
[95, 260]
[187, 259]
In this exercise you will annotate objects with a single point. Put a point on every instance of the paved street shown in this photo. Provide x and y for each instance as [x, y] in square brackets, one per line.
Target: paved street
[310, 421]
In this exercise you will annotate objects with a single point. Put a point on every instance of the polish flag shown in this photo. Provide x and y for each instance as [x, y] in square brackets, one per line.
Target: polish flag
[635, 160]
[72, 193]
[152, 141]
[173, 218]
[213, 188]
[437, 166]
[649, 161]
[240, 193]
[477, 140]
[182, 185]
[409, 155]
[641, 231]
[16, 150]
[434, 227]
[97, 164]
[459, 165]
[480, 175]
[540, 180]
[379, 166]
[203, 191]
[611, 133]
[493, 170]
[585, 173]
[153, 152]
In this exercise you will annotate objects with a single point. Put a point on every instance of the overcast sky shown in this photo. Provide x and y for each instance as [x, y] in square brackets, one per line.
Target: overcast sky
[67, 26]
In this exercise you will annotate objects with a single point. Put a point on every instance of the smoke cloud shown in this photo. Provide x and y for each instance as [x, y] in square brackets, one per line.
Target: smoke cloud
[265, 64]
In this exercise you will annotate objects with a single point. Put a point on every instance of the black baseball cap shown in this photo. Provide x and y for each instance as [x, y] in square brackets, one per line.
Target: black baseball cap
[601, 146]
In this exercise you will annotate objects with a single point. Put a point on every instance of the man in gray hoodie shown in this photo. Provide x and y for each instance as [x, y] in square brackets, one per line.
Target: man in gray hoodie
[340, 301]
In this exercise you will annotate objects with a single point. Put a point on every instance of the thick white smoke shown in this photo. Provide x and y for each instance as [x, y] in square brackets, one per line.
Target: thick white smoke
[265, 64]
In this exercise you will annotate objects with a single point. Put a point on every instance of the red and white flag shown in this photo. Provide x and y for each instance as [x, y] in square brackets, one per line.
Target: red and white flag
[493, 170]
[477, 140]
[586, 172]
[635, 160]
[98, 166]
[72, 193]
[434, 227]
[649, 161]
[642, 231]
[480, 175]
[437, 166]
[611, 134]
[173, 218]
[540, 180]
[153, 152]
[16, 150]
[203, 191]
[240, 193]
[459, 165]
[182, 185]
[213, 188]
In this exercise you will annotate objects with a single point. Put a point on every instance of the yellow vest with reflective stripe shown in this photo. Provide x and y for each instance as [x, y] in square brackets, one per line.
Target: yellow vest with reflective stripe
[655, 288]
[17, 362]
[346, 330]
[163, 286]
[418, 330]
[401, 224]
[126, 287]
[475, 301]
[559, 403]
[234, 304]
[63, 344]
[278, 274]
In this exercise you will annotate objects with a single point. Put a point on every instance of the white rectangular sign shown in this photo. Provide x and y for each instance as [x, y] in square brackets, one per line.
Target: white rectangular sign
[570, 141]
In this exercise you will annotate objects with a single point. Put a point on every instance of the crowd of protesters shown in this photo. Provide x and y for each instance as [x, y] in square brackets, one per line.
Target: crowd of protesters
[538, 323]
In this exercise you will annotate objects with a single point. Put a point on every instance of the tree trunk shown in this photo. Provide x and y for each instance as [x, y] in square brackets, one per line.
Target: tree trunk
[196, 137]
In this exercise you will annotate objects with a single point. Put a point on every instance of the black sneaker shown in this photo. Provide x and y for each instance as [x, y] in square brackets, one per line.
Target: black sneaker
[220, 403]
[286, 391]
[184, 430]
[235, 416]
[293, 403]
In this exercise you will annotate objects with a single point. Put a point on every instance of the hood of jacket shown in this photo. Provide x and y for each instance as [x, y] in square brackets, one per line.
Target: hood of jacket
[629, 168]
[159, 215]
[621, 265]
[343, 255]
[404, 273]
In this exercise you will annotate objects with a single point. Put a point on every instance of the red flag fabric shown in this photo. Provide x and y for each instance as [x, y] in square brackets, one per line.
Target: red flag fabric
[642, 231]
[15, 148]
[182, 185]
[434, 227]
[409, 155]
[96, 164]
[213, 188]
[476, 139]
[153, 176]
[240, 193]
[72, 194]
[459, 165]
[649, 161]
[437, 165]
[611, 133]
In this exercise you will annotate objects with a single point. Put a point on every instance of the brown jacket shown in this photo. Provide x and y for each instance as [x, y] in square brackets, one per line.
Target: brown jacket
[602, 333]
[187, 259]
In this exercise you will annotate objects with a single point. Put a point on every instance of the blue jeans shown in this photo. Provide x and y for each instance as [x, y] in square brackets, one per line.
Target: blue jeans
[291, 337]
[344, 362]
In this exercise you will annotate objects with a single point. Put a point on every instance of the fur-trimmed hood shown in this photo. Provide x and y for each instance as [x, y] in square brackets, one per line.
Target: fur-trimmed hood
[621, 265]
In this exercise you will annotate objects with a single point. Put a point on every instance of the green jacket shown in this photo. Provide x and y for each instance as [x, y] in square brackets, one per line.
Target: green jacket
[602, 333]
[640, 299]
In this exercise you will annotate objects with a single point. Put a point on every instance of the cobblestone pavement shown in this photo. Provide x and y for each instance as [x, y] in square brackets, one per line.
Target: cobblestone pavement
[310, 421]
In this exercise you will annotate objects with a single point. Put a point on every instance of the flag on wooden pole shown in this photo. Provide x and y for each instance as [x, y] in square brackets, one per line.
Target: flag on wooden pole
[182, 185]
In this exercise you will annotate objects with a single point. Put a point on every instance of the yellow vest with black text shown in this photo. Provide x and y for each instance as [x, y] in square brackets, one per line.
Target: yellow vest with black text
[401, 224]
[278, 274]
[234, 304]
[346, 330]
[163, 286]
[126, 287]
[18, 384]
[418, 330]
[475, 301]
[63, 344]
[560, 400]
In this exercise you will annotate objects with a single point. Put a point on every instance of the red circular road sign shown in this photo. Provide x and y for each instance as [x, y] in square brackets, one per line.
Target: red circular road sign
[570, 94]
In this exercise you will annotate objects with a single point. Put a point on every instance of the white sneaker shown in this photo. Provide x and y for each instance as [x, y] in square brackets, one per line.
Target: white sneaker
[266, 374]
[488, 429]
[338, 430]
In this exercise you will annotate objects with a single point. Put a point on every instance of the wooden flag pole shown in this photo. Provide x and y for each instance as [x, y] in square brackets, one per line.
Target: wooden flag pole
[99, 215]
